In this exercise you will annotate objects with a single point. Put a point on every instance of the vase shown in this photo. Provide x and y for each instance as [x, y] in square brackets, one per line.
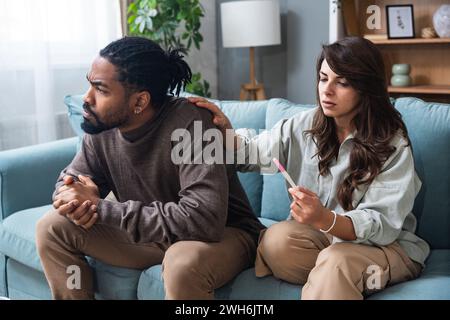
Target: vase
[400, 75]
[400, 80]
[441, 21]
[401, 68]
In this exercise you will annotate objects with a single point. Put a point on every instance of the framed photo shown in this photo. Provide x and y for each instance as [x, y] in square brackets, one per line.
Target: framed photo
[400, 21]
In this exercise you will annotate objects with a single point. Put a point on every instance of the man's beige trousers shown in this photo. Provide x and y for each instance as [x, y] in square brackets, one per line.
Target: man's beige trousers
[191, 269]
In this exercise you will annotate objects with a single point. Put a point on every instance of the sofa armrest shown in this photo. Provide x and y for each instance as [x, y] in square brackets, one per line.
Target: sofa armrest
[28, 175]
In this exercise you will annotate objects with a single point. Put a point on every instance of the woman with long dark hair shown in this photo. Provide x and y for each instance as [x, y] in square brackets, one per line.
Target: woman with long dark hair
[351, 228]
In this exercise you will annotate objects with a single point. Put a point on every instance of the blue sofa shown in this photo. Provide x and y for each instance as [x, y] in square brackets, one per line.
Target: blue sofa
[27, 178]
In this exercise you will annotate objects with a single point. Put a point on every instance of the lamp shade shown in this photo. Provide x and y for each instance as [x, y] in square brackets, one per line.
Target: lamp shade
[250, 23]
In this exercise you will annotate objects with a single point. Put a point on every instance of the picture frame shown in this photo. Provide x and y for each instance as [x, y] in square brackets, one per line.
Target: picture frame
[400, 21]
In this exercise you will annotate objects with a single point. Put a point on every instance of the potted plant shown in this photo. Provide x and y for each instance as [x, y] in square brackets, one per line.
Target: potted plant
[172, 24]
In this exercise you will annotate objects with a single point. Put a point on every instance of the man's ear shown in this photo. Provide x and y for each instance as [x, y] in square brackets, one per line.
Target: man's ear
[143, 100]
[140, 101]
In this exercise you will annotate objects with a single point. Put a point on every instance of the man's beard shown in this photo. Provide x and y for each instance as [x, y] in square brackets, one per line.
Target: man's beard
[91, 128]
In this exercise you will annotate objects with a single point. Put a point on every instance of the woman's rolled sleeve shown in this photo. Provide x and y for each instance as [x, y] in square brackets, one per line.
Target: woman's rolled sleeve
[257, 150]
[380, 215]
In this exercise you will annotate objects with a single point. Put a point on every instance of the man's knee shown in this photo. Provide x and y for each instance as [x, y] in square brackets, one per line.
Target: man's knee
[183, 274]
[179, 262]
[48, 225]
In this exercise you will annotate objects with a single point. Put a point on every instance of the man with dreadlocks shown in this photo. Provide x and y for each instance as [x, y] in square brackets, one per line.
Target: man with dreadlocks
[195, 219]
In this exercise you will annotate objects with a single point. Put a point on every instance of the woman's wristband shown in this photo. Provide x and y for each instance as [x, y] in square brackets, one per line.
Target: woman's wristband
[332, 226]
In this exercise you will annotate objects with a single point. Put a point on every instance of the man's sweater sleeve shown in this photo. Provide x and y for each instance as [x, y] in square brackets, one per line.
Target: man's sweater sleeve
[200, 214]
[85, 163]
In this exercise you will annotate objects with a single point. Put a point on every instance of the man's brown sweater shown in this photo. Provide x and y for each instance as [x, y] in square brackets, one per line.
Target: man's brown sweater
[159, 201]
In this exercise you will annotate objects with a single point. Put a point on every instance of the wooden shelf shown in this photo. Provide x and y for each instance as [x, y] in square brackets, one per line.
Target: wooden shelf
[425, 89]
[410, 41]
[429, 58]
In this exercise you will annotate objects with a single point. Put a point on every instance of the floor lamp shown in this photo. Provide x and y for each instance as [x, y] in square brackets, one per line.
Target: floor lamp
[251, 24]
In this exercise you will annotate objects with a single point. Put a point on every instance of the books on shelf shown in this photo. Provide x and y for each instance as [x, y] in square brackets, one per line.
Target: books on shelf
[376, 36]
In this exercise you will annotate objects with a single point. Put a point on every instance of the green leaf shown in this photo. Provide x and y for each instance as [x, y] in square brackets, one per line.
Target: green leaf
[196, 76]
[176, 24]
[197, 44]
[180, 16]
[197, 12]
[198, 37]
[131, 19]
[131, 7]
[198, 87]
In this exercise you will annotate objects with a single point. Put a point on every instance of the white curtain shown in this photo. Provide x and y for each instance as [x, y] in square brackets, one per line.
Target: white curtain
[46, 48]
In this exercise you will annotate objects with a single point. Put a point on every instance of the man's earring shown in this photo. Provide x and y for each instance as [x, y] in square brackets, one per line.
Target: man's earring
[137, 110]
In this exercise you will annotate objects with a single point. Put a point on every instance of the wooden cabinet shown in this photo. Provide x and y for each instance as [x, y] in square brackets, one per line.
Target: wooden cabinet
[429, 58]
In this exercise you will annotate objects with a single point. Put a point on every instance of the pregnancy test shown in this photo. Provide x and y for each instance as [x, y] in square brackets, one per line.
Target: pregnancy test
[284, 172]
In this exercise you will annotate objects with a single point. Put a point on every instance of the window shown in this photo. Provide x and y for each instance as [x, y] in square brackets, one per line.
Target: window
[46, 48]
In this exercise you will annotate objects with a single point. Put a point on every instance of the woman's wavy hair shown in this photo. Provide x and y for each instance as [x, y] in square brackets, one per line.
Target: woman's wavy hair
[376, 122]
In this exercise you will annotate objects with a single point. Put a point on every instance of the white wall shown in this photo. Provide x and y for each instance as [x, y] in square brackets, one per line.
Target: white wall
[205, 60]
[307, 30]
[288, 70]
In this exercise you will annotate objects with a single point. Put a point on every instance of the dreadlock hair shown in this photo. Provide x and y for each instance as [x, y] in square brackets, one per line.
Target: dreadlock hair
[142, 65]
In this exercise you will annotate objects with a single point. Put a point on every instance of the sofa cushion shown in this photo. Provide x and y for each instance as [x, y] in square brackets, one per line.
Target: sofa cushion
[17, 236]
[237, 112]
[244, 286]
[434, 283]
[39, 164]
[25, 283]
[17, 241]
[275, 200]
[429, 130]
[3, 292]
[151, 285]
[74, 105]
[75, 113]
[114, 283]
[267, 222]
